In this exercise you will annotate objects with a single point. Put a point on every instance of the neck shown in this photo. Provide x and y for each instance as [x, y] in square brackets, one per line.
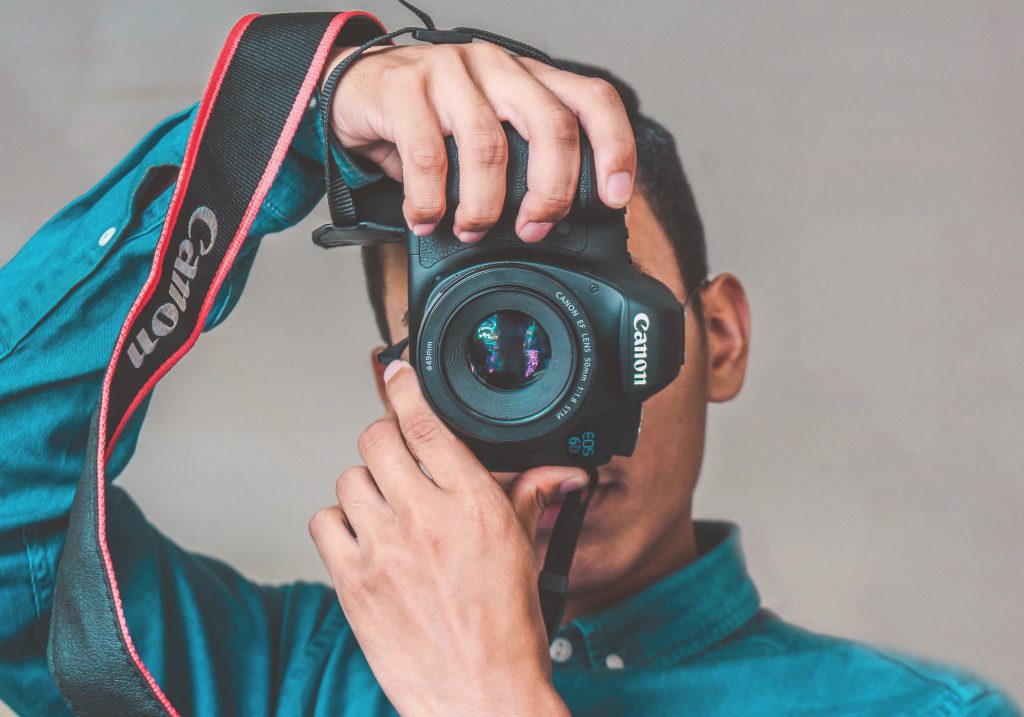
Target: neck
[675, 552]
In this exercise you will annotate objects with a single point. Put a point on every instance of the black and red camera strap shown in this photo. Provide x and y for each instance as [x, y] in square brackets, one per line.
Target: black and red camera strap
[261, 86]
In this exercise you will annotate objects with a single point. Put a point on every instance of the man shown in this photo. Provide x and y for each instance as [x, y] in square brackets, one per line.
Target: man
[433, 559]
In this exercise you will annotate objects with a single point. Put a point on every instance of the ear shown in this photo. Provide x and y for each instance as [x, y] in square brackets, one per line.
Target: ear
[378, 373]
[727, 325]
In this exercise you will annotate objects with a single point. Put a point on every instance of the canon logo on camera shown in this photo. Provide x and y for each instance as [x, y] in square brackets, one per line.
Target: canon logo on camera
[641, 322]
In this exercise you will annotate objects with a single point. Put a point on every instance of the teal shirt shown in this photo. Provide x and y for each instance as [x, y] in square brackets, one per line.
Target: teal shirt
[697, 642]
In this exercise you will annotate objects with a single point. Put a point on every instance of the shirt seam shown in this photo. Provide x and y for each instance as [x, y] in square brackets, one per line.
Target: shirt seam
[30, 558]
[954, 697]
[326, 635]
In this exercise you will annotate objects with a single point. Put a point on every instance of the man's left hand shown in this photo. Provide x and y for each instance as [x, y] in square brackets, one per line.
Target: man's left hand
[434, 566]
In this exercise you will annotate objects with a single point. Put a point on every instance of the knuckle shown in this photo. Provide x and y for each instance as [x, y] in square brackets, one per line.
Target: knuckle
[478, 217]
[446, 54]
[486, 146]
[552, 201]
[487, 50]
[424, 208]
[562, 126]
[379, 434]
[602, 91]
[427, 158]
[422, 428]
[346, 480]
[317, 523]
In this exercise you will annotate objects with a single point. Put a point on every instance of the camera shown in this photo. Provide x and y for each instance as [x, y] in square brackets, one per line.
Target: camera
[536, 354]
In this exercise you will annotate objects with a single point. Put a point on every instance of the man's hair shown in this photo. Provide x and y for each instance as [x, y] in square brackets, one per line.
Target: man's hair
[660, 179]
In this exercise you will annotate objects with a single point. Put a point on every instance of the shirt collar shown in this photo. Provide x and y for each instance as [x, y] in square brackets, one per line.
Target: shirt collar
[679, 616]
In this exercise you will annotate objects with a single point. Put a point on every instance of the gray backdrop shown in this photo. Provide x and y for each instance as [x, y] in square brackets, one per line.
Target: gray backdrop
[858, 165]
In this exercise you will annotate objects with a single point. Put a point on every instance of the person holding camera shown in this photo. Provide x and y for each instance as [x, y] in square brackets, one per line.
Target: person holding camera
[433, 557]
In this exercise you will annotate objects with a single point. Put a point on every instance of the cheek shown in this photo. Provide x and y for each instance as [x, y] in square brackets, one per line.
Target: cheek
[673, 421]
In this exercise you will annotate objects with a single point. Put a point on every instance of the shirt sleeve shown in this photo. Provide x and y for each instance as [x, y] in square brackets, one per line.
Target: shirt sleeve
[63, 298]
[991, 703]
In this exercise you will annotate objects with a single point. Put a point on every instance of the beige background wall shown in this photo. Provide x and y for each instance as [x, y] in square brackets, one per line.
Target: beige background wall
[859, 165]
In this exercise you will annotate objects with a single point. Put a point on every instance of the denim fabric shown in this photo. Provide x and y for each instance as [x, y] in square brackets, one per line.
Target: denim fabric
[697, 642]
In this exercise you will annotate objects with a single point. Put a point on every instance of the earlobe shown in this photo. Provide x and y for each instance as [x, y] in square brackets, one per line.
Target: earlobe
[727, 324]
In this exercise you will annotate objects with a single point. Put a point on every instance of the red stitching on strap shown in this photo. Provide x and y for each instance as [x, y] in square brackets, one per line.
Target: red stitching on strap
[277, 157]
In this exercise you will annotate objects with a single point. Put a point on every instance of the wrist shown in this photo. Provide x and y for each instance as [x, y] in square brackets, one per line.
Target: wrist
[334, 58]
[534, 698]
[336, 124]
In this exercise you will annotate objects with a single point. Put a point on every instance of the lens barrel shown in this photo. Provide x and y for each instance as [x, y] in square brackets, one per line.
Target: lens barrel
[505, 352]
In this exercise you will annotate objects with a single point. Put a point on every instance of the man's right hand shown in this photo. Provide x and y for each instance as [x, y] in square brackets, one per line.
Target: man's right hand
[395, 105]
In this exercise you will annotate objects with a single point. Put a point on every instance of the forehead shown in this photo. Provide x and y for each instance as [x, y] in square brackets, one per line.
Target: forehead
[650, 248]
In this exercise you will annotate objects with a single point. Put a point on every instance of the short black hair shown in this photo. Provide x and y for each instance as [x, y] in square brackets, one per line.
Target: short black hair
[660, 179]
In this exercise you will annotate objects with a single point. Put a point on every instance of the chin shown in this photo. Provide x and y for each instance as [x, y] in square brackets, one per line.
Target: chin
[603, 554]
[597, 568]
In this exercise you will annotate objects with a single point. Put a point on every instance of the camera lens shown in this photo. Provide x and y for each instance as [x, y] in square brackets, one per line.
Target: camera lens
[508, 350]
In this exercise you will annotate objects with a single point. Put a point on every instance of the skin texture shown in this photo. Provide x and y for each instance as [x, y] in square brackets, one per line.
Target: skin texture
[425, 548]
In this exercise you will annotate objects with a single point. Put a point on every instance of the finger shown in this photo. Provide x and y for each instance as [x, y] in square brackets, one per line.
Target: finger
[448, 460]
[334, 540]
[394, 468]
[599, 107]
[419, 141]
[535, 488]
[552, 131]
[362, 503]
[482, 147]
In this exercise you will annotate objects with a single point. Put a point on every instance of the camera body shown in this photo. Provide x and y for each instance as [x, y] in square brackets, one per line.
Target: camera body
[540, 354]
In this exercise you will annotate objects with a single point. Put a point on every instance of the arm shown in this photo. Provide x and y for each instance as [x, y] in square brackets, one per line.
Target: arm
[438, 559]
[64, 296]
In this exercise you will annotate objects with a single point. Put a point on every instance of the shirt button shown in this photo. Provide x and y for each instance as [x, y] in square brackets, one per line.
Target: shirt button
[614, 662]
[561, 649]
[107, 235]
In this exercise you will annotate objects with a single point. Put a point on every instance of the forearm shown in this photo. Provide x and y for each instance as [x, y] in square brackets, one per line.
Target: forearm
[64, 297]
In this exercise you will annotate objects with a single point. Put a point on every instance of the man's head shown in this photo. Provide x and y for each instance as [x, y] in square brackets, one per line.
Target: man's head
[638, 527]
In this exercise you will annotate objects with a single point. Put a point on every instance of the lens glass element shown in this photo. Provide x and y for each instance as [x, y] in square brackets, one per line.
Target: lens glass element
[508, 350]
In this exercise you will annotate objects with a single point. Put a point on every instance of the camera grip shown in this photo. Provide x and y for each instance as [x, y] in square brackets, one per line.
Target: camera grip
[569, 234]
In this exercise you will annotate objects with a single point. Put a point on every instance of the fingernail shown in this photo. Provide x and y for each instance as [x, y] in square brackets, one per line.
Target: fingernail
[469, 237]
[392, 369]
[619, 187]
[534, 231]
[421, 230]
[574, 483]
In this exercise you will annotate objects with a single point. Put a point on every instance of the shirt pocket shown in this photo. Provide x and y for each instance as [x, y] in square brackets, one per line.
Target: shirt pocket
[75, 243]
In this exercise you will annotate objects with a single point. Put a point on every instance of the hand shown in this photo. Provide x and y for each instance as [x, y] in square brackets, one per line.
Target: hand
[395, 104]
[437, 575]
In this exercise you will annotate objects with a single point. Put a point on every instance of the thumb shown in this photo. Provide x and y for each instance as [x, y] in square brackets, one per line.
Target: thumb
[533, 490]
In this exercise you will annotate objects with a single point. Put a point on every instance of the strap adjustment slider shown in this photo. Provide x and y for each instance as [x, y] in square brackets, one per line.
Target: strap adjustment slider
[442, 37]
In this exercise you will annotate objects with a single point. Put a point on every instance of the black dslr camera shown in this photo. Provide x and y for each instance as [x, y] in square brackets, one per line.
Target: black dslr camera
[534, 354]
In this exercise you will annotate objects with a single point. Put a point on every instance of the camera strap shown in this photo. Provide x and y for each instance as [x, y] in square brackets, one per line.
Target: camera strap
[261, 86]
